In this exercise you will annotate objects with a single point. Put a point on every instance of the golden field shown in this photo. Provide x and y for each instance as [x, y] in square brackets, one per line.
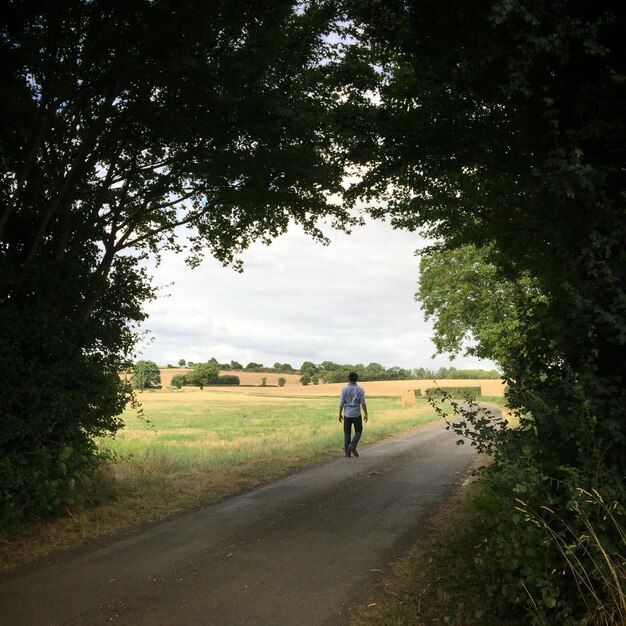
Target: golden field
[293, 386]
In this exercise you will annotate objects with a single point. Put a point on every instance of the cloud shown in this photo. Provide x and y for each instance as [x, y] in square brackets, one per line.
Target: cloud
[349, 302]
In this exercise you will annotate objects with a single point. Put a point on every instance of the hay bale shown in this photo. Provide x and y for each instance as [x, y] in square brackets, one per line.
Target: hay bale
[408, 398]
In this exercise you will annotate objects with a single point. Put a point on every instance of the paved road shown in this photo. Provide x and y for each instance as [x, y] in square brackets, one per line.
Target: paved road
[299, 551]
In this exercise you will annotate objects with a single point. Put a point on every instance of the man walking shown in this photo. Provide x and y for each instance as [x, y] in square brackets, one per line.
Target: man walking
[351, 402]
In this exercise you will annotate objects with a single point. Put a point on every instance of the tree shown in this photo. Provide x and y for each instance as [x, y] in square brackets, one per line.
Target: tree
[182, 363]
[122, 126]
[476, 309]
[178, 381]
[495, 128]
[202, 374]
[282, 381]
[146, 374]
[305, 379]
[308, 368]
[236, 365]
[502, 127]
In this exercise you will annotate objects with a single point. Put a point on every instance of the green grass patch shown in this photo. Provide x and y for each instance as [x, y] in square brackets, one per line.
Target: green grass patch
[221, 431]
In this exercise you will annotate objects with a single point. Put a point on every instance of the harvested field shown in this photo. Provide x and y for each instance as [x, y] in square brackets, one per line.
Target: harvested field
[372, 388]
[246, 378]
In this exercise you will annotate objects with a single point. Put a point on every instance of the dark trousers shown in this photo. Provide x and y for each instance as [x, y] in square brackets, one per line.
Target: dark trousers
[347, 431]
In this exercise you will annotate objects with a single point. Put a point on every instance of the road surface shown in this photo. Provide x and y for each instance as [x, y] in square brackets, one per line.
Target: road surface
[302, 550]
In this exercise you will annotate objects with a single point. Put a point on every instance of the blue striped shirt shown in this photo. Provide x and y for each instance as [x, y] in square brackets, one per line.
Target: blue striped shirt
[352, 397]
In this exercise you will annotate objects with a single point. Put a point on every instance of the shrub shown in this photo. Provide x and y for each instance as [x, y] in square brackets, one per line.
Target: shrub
[282, 381]
[227, 379]
[178, 380]
[454, 392]
[146, 374]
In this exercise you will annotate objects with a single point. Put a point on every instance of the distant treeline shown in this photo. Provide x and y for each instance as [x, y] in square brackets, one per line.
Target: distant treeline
[329, 372]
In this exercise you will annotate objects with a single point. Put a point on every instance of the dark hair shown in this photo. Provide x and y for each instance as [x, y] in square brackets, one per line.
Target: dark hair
[353, 377]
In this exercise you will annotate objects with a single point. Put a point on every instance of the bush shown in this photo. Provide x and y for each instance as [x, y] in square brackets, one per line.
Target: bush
[146, 374]
[282, 381]
[560, 568]
[178, 380]
[227, 379]
[454, 392]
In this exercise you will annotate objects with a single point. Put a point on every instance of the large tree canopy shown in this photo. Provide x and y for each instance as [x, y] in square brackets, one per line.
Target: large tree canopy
[502, 125]
[501, 132]
[122, 125]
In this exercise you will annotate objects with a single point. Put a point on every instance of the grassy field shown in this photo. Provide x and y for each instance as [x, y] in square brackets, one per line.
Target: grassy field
[192, 448]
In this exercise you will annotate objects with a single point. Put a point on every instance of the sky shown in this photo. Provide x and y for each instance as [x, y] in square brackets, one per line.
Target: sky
[297, 300]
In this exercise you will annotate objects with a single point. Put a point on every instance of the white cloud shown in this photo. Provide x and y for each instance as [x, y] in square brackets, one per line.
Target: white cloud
[350, 302]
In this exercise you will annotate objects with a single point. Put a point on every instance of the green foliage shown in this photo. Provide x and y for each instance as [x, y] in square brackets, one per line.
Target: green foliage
[182, 363]
[282, 381]
[475, 306]
[225, 380]
[146, 374]
[283, 367]
[561, 567]
[178, 380]
[551, 546]
[205, 376]
[202, 374]
[499, 134]
[308, 369]
[454, 392]
[305, 379]
[119, 124]
[453, 373]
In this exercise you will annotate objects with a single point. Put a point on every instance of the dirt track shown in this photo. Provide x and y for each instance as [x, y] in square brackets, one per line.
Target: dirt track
[303, 550]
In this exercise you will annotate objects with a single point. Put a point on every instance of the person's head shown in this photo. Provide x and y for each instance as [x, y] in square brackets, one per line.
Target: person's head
[353, 377]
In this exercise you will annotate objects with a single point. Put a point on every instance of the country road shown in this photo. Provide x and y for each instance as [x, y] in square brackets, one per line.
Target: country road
[302, 550]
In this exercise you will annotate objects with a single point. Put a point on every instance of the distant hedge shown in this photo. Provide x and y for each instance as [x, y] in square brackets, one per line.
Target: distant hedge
[455, 392]
[227, 379]
[181, 379]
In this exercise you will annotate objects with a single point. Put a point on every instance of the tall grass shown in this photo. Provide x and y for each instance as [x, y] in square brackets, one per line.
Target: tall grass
[593, 547]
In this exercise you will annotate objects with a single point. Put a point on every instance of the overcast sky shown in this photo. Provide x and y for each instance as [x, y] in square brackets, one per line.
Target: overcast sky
[297, 300]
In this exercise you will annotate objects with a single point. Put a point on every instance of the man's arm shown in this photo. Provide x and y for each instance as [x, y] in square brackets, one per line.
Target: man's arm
[342, 401]
[364, 407]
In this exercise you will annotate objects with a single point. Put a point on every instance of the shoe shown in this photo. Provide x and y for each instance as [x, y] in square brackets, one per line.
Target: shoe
[353, 450]
[348, 455]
